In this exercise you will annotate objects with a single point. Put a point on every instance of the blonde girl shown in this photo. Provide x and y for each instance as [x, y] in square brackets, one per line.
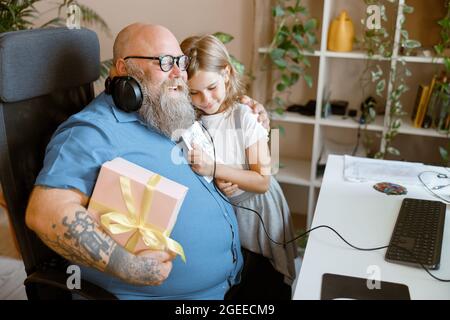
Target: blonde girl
[242, 170]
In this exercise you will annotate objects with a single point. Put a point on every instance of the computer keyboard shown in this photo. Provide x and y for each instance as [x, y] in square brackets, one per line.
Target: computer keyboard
[419, 229]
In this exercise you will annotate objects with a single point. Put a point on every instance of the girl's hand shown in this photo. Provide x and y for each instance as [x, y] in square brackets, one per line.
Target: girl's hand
[200, 162]
[227, 188]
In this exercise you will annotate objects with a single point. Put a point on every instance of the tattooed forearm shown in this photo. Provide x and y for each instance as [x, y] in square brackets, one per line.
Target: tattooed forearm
[79, 239]
[82, 232]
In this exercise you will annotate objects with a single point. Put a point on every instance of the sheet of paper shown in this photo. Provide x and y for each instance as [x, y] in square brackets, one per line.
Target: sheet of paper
[364, 169]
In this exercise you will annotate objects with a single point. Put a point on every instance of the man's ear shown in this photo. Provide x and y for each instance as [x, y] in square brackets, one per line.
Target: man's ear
[121, 68]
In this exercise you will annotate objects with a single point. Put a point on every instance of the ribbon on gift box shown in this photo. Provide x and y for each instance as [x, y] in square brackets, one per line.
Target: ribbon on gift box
[119, 222]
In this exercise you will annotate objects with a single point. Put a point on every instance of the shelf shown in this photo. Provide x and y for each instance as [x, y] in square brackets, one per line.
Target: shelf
[408, 128]
[294, 171]
[422, 59]
[316, 53]
[353, 55]
[362, 55]
[339, 121]
[292, 117]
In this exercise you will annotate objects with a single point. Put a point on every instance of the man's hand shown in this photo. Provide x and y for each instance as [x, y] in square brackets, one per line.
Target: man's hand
[200, 162]
[228, 188]
[149, 266]
[259, 109]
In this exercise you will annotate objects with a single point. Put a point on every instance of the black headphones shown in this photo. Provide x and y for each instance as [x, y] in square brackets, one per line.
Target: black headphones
[126, 93]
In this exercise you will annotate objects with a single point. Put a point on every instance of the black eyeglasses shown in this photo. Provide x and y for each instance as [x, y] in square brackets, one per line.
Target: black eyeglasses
[166, 62]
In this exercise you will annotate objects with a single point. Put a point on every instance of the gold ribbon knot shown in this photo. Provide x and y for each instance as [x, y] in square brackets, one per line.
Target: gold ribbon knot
[118, 222]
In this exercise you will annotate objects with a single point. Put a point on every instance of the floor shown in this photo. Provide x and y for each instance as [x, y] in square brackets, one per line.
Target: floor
[12, 272]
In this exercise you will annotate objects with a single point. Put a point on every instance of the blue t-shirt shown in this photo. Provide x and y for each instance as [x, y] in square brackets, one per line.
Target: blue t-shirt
[206, 226]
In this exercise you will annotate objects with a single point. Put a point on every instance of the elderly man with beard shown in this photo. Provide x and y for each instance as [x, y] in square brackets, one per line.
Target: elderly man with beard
[206, 225]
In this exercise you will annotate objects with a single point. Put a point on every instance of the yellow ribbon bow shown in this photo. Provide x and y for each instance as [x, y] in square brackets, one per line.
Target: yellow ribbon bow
[118, 222]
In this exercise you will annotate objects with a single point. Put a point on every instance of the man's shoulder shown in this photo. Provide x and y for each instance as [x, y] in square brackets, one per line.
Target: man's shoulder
[99, 109]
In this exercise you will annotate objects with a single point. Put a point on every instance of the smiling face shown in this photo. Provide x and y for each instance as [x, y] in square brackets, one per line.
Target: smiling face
[149, 41]
[208, 90]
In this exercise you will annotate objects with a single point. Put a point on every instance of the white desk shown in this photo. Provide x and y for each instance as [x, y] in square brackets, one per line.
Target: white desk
[365, 218]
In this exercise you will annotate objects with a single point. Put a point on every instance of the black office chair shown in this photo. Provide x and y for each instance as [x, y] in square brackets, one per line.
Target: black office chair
[46, 75]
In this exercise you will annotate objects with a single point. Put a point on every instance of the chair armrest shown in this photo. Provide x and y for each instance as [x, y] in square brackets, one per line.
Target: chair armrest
[55, 278]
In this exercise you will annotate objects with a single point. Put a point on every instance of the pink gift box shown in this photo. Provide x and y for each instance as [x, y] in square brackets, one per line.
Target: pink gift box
[108, 197]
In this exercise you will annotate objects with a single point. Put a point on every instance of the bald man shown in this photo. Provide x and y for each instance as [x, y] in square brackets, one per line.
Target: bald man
[206, 224]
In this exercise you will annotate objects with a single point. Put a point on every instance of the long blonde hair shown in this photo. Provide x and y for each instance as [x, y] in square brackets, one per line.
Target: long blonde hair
[207, 53]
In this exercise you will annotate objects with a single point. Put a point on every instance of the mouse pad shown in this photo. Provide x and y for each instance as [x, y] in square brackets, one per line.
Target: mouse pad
[335, 286]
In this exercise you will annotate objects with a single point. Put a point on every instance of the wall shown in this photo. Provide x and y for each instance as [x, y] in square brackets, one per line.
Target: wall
[183, 18]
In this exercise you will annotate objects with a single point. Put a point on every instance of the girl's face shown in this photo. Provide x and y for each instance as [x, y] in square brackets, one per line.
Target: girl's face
[208, 90]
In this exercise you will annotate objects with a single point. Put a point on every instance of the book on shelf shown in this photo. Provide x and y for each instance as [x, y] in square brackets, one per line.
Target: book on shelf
[417, 102]
[419, 114]
[435, 94]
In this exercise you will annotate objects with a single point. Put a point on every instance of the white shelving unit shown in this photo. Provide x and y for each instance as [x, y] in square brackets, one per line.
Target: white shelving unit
[302, 171]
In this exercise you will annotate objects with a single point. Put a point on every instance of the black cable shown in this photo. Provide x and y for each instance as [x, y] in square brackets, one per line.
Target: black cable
[358, 138]
[315, 228]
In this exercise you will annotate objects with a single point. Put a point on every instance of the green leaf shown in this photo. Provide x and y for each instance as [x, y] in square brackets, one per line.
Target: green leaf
[404, 34]
[294, 78]
[295, 68]
[280, 63]
[306, 62]
[444, 23]
[397, 123]
[310, 25]
[376, 75]
[223, 37]
[277, 53]
[381, 85]
[444, 154]
[279, 102]
[286, 80]
[311, 38]
[300, 40]
[308, 80]
[281, 87]
[447, 63]
[277, 11]
[372, 113]
[393, 151]
[412, 44]
[408, 9]
[279, 111]
[291, 10]
[439, 48]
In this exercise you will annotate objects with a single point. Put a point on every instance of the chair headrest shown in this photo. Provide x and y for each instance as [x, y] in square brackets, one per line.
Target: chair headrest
[37, 62]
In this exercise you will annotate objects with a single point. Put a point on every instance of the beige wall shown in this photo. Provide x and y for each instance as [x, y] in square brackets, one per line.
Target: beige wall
[183, 17]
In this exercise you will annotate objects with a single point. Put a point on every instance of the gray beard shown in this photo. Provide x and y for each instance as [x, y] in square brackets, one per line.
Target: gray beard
[169, 114]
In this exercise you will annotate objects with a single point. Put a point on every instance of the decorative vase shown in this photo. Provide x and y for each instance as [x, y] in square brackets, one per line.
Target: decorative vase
[341, 34]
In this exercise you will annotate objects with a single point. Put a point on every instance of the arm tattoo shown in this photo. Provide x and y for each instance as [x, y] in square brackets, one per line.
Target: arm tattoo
[85, 244]
[82, 242]
[82, 232]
